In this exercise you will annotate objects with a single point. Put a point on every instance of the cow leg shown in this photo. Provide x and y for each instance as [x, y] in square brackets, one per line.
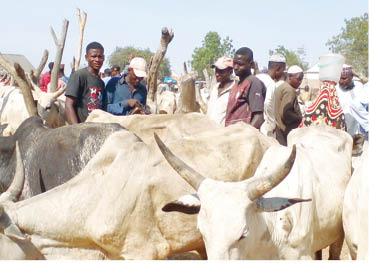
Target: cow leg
[202, 252]
[335, 249]
[318, 255]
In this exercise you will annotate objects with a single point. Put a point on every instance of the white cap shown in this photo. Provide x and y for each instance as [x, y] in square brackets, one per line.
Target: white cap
[139, 67]
[277, 58]
[294, 69]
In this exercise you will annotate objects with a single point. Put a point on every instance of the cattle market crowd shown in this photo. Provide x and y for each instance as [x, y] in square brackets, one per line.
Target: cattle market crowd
[267, 174]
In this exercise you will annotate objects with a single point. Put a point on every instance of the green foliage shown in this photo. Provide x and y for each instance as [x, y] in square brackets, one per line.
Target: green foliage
[213, 47]
[353, 43]
[292, 57]
[121, 57]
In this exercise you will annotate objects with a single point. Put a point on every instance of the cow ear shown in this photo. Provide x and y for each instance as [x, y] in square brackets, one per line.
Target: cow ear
[187, 204]
[274, 204]
[13, 231]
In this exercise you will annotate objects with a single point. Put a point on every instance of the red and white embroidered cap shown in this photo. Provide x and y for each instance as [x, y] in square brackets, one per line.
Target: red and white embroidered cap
[139, 67]
[223, 63]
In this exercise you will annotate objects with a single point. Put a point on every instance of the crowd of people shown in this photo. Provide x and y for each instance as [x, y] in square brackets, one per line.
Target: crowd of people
[267, 101]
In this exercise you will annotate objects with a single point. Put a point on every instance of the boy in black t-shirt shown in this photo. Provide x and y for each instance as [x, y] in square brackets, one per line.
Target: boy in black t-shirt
[85, 88]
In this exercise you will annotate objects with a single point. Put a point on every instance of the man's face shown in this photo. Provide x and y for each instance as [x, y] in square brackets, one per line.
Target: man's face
[345, 81]
[241, 65]
[95, 58]
[133, 78]
[295, 79]
[223, 75]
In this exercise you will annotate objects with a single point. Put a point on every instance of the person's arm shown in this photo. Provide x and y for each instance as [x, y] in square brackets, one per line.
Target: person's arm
[290, 113]
[70, 111]
[256, 99]
[257, 119]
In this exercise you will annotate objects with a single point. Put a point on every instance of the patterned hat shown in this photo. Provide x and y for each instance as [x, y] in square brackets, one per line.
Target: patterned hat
[346, 71]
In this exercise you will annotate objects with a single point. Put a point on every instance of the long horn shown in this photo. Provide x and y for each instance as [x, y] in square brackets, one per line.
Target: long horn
[59, 92]
[190, 175]
[260, 186]
[16, 186]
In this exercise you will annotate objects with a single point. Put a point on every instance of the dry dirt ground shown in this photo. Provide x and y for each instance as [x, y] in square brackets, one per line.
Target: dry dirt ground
[193, 255]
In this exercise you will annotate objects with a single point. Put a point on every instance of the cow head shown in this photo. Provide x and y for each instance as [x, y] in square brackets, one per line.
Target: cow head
[46, 107]
[229, 211]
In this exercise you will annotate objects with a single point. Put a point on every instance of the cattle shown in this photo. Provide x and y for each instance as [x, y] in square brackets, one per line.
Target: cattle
[112, 208]
[51, 156]
[252, 219]
[355, 208]
[170, 127]
[13, 109]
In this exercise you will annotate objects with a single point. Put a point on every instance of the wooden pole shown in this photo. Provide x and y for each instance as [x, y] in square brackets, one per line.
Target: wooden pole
[59, 53]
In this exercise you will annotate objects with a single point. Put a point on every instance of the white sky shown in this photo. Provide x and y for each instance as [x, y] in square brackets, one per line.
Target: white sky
[259, 25]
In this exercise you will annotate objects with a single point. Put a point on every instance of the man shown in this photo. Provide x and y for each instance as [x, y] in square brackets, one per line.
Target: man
[125, 93]
[272, 79]
[85, 88]
[287, 110]
[246, 98]
[115, 71]
[217, 105]
[349, 94]
[107, 75]
[46, 78]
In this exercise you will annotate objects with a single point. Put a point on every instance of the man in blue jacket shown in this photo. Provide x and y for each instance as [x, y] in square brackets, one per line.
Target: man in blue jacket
[125, 93]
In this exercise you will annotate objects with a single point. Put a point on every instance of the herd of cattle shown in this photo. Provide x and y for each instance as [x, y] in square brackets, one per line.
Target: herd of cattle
[148, 186]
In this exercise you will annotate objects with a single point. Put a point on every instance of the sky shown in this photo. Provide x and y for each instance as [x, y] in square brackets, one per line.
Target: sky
[259, 25]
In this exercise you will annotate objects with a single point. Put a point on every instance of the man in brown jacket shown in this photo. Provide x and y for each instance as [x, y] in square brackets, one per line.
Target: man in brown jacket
[287, 111]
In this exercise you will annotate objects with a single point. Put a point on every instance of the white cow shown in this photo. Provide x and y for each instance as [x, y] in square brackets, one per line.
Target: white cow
[13, 109]
[355, 208]
[112, 209]
[245, 220]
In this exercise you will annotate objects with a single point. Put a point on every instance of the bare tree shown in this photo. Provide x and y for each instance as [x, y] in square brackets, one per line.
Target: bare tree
[187, 98]
[18, 75]
[166, 38]
[82, 22]
[59, 53]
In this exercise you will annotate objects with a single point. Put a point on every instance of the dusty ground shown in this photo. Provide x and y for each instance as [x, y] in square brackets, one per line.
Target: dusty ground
[193, 255]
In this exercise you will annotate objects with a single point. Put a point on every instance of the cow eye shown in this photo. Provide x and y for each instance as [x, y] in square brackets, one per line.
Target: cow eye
[244, 233]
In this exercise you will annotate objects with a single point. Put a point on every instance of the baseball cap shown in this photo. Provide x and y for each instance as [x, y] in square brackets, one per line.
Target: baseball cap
[116, 68]
[139, 67]
[223, 63]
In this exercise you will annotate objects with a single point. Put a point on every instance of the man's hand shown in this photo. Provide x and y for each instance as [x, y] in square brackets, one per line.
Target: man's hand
[132, 103]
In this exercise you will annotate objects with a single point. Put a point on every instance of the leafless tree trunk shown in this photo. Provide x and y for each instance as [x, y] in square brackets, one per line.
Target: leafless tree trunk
[185, 68]
[18, 75]
[59, 53]
[202, 104]
[166, 37]
[82, 22]
[35, 76]
[207, 79]
[187, 97]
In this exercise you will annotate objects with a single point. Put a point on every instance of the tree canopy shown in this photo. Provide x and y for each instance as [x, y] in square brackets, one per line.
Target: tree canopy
[213, 47]
[292, 57]
[121, 57]
[352, 43]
